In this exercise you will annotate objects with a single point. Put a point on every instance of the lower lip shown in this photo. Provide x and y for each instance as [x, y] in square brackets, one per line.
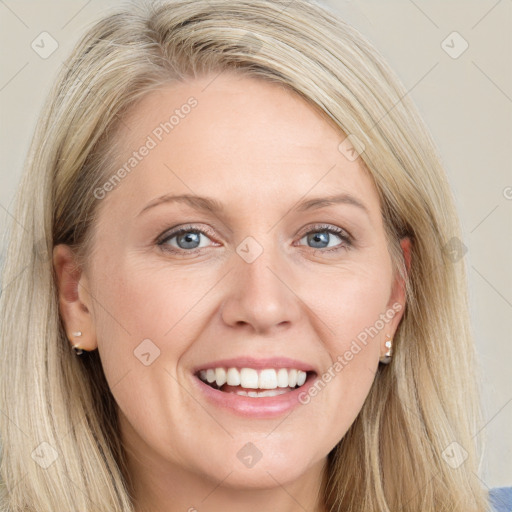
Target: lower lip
[255, 407]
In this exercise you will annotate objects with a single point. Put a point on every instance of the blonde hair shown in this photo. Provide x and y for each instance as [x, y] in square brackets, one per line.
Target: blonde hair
[391, 458]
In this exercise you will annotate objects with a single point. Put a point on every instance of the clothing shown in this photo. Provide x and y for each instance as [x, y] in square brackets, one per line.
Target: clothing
[500, 499]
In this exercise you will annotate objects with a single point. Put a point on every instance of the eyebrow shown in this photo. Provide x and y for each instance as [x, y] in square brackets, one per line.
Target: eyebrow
[320, 202]
[212, 205]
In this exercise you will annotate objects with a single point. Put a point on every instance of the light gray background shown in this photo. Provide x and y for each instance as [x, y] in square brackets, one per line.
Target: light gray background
[466, 102]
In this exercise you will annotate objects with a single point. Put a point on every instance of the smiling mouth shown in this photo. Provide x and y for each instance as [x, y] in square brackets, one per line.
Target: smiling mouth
[254, 383]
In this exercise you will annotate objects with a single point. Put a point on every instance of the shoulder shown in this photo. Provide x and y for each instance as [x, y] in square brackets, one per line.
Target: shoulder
[500, 498]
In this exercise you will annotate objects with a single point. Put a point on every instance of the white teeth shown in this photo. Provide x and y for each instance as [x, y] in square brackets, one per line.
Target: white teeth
[233, 377]
[220, 376]
[273, 392]
[282, 378]
[250, 378]
[255, 394]
[268, 379]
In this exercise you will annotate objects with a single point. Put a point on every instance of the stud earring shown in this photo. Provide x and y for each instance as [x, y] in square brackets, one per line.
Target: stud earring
[78, 351]
[386, 358]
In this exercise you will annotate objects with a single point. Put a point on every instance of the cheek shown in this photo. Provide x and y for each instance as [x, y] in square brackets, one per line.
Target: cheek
[136, 304]
[144, 321]
[351, 307]
[349, 300]
[170, 306]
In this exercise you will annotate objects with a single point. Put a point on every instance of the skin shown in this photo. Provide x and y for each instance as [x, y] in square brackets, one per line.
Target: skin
[258, 149]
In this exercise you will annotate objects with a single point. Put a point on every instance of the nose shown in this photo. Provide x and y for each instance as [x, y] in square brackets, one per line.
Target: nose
[260, 295]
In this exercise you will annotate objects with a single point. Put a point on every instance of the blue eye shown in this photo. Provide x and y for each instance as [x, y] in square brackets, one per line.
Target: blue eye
[321, 235]
[188, 239]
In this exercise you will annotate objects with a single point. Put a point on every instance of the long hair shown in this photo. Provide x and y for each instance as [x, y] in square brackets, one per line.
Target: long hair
[58, 427]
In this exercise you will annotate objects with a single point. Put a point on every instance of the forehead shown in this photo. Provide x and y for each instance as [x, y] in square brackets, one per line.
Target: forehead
[235, 138]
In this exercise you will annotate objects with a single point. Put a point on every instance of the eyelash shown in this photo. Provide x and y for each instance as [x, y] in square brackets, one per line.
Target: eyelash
[318, 228]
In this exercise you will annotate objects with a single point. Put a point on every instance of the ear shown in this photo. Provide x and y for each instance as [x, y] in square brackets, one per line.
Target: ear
[74, 299]
[398, 298]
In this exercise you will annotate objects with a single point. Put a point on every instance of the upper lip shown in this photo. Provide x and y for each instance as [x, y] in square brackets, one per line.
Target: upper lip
[260, 363]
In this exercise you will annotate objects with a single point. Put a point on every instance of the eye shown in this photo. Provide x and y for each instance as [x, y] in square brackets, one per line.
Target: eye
[322, 234]
[188, 239]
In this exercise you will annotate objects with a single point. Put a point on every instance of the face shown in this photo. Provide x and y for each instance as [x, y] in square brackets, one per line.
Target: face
[264, 277]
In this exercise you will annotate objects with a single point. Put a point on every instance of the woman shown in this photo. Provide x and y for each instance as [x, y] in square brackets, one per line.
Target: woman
[191, 160]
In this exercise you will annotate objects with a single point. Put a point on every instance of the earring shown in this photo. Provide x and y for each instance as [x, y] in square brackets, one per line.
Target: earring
[386, 358]
[78, 351]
